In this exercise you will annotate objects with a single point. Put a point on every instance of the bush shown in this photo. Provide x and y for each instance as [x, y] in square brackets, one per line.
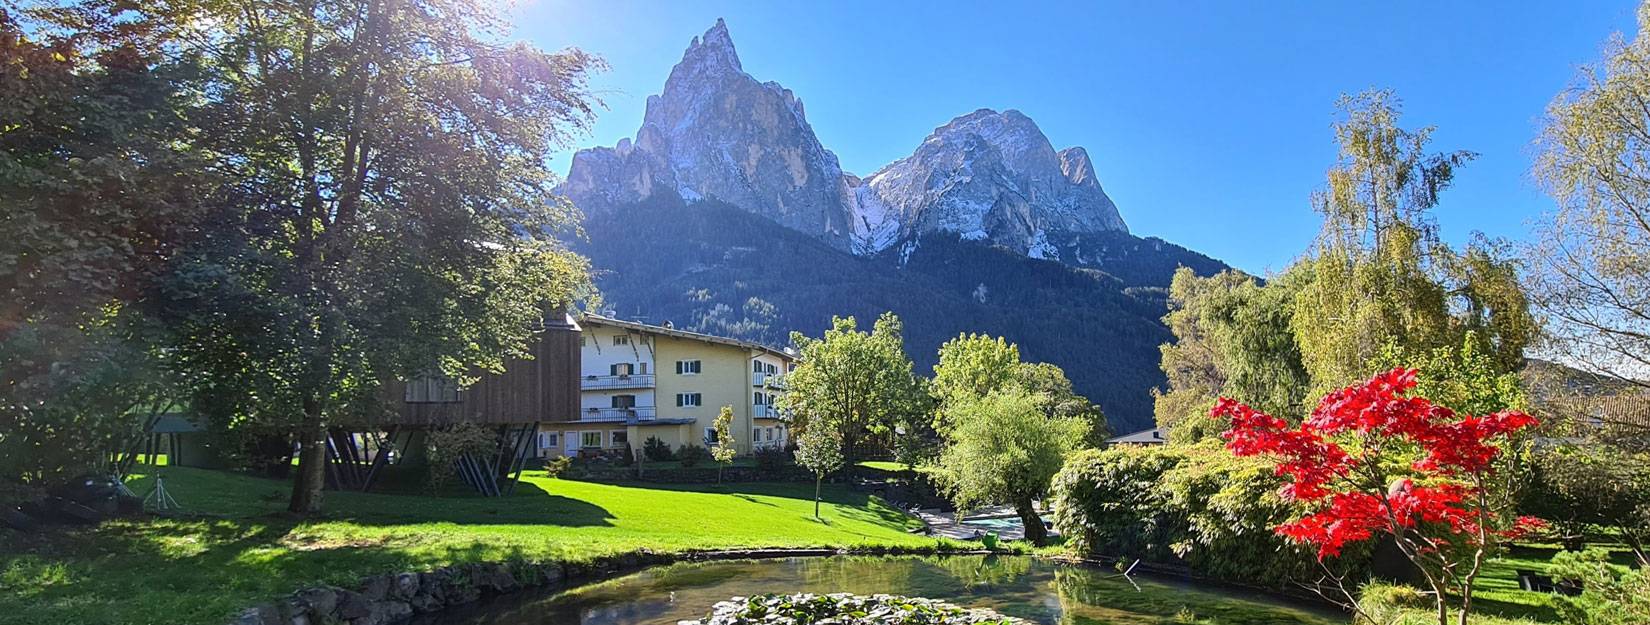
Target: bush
[1107, 502]
[554, 466]
[1196, 504]
[771, 459]
[691, 455]
[1610, 595]
[1387, 603]
[656, 450]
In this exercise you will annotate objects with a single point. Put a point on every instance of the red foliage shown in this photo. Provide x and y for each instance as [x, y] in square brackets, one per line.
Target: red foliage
[1357, 498]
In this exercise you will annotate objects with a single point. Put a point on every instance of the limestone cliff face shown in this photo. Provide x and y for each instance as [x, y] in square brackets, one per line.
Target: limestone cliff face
[716, 132]
[986, 175]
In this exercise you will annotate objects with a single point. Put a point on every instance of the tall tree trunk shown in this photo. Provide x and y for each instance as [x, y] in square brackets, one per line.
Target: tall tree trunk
[817, 480]
[312, 462]
[1033, 523]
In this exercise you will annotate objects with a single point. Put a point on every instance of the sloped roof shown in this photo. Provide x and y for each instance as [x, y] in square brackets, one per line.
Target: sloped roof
[645, 328]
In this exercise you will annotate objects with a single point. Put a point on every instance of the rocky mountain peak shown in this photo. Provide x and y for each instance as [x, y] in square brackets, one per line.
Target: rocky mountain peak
[985, 175]
[716, 132]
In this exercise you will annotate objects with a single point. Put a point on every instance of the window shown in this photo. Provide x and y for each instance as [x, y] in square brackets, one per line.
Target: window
[624, 401]
[771, 369]
[687, 367]
[432, 389]
[710, 436]
[581, 340]
[619, 437]
[621, 339]
[769, 432]
[688, 400]
[791, 367]
[590, 440]
[756, 398]
[756, 366]
[623, 368]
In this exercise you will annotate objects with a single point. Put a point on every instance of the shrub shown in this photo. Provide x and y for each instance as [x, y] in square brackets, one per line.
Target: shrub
[771, 459]
[1197, 504]
[445, 447]
[1387, 603]
[656, 450]
[554, 466]
[691, 455]
[1108, 502]
[1611, 595]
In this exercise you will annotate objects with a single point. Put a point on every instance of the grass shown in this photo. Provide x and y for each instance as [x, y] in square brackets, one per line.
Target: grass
[237, 549]
[1497, 599]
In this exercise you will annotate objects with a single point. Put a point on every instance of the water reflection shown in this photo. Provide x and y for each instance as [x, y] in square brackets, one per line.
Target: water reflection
[1019, 586]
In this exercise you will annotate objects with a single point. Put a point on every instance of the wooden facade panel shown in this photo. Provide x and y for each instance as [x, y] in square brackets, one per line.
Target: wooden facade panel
[545, 388]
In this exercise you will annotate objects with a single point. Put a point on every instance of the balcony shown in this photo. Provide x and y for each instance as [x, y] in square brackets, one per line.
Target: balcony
[618, 415]
[768, 380]
[760, 411]
[599, 382]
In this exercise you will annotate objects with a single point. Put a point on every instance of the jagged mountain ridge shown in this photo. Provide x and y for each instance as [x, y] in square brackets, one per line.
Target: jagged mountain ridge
[711, 267]
[726, 215]
[717, 132]
[985, 175]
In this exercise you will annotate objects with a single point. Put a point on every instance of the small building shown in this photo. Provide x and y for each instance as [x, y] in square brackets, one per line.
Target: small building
[1154, 436]
[513, 402]
[639, 381]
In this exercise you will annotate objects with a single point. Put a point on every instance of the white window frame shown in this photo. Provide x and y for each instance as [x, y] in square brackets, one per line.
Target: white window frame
[621, 339]
[689, 400]
[710, 436]
[696, 365]
[613, 438]
[584, 435]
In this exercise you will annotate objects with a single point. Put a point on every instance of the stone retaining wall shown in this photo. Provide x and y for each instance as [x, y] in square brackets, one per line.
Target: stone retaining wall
[394, 597]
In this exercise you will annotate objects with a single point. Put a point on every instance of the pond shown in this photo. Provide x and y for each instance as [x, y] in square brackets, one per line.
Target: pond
[1038, 590]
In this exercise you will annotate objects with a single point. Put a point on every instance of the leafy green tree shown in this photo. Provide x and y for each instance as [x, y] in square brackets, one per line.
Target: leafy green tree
[388, 209]
[1592, 485]
[1588, 262]
[1049, 384]
[723, 451]
[1004, 449]
[1233, 338]
[103, 183]
[858, 385]
[819, 450]
[1379, 275]
[971, 366]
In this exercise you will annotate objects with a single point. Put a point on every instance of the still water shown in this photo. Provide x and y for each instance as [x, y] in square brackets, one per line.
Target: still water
[1041, 591]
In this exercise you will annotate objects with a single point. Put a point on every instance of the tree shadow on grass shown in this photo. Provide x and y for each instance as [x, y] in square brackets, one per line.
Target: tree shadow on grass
[529, 504]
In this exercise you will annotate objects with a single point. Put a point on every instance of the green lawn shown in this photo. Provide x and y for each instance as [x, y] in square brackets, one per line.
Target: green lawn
[238, 549]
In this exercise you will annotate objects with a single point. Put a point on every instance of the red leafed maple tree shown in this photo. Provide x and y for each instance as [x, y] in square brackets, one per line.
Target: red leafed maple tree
[1372, 460]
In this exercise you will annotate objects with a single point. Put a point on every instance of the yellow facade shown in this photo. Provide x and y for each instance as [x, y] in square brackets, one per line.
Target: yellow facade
[723, 379]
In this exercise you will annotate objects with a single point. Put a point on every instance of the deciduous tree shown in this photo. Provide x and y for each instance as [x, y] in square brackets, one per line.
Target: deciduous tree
[1003, 449]
[1375, 460]
[1589, 262]
[859, 385]
[723, 451]
[387, 209]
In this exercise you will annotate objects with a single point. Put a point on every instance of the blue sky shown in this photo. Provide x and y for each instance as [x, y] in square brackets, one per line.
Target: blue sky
[1208, 123]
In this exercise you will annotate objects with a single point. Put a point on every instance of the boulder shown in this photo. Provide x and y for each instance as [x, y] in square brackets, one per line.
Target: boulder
[405, 586]
[353, 605]
[320, 601]
[377, 587]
